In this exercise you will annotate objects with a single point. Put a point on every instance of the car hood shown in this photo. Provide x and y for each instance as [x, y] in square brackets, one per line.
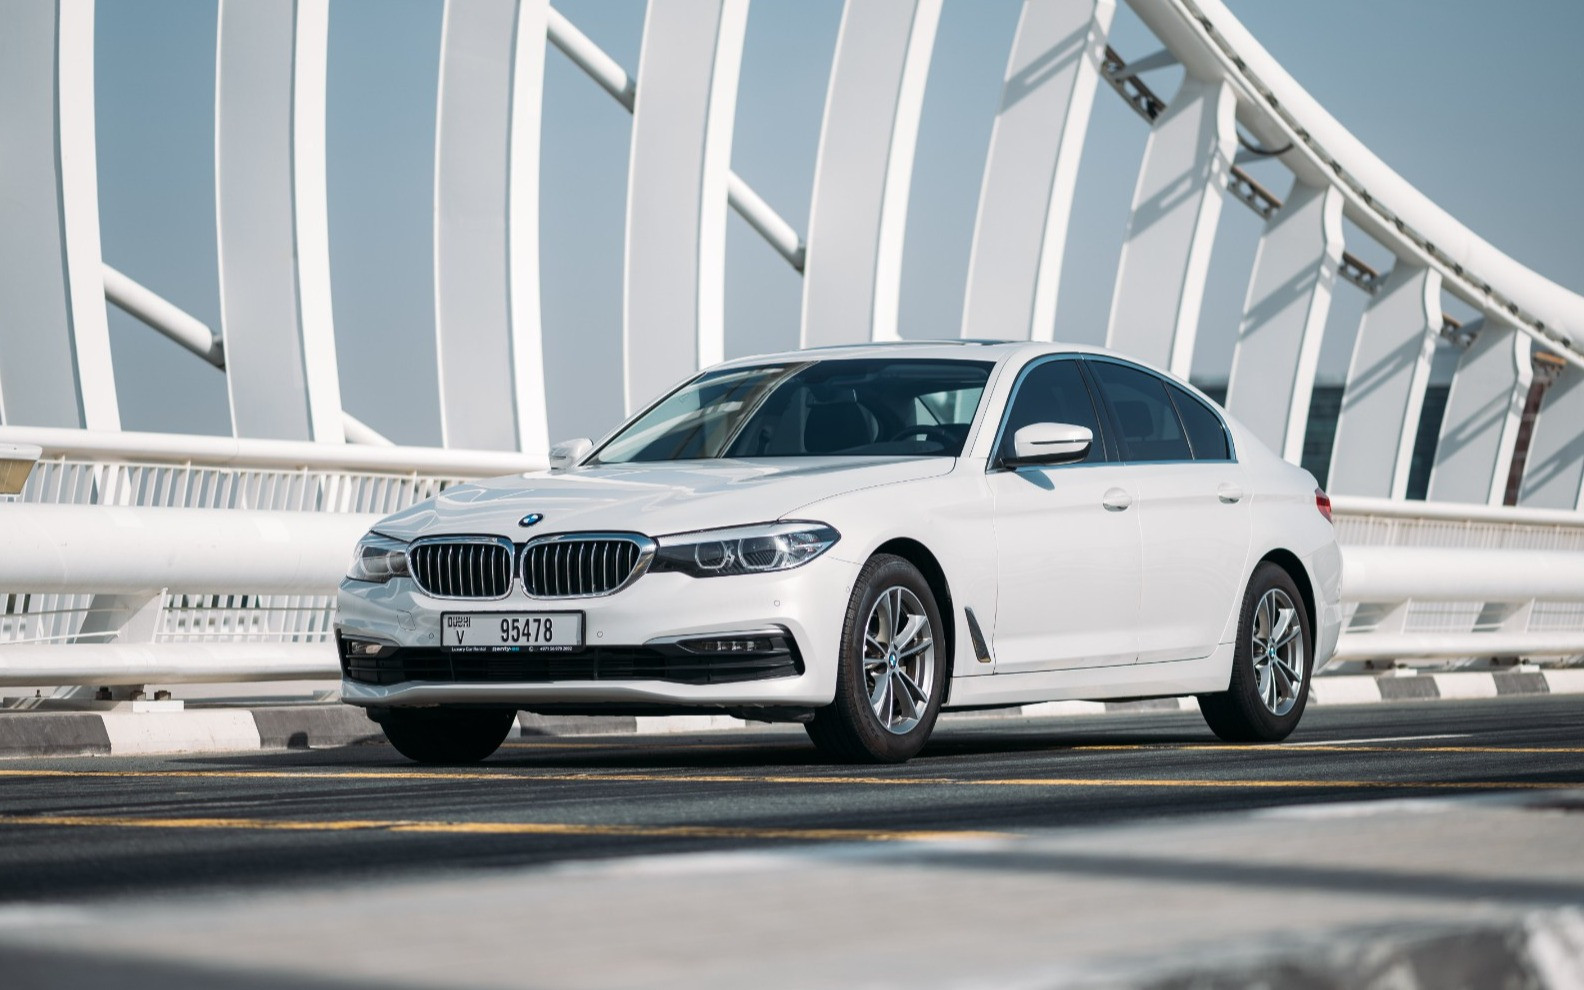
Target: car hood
[652, 498]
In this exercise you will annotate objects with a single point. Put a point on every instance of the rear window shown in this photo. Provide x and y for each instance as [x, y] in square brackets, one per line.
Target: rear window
[1206, 434]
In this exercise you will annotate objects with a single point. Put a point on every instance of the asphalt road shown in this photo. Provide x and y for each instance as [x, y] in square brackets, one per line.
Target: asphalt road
[79, 830]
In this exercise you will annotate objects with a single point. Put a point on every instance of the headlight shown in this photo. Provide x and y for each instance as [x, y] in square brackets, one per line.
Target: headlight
[378, 559]
[744, 549]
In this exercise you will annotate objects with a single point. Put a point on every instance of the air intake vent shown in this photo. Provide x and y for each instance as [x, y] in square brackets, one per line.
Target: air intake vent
[463, 567]
[584, 565]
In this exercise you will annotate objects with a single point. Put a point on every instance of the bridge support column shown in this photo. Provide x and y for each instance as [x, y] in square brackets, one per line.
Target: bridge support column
[674, 309]
[853, 276]
[1176, 207]
[1284, 318]
[54, 333]
[1385, 387]
[1032, 169]
[270, 205]
[1480, 429]
[1554, 471]
[486, 209]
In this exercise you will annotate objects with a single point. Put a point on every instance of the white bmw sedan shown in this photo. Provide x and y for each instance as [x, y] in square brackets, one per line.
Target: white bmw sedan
[856, 539]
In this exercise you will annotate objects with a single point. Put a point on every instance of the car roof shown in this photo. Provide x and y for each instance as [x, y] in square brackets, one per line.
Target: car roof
[952, 349]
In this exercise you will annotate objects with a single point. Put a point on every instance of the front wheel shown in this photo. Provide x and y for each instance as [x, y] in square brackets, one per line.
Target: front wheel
[1270, 666]
[891, 677]
[447, 735]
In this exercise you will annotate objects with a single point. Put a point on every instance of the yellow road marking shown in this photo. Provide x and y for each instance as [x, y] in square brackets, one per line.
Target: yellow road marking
[1296, 749]
[1300, 750]
[1306, 783]
[506, 828]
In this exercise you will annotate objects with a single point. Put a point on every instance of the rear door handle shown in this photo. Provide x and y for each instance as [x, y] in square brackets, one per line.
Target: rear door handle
[1116, 500]
[1229, 493]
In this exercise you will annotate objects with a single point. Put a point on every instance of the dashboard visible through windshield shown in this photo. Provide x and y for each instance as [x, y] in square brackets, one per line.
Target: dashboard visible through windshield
[857, 407]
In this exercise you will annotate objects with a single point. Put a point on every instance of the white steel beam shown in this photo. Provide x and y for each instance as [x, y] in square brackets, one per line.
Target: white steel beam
[613, 79]
[1384, 392]
[120, 447]
[54, 334]
[1480, 429]
[1554, 469]
[1176, 208]
[486, 225]
[1284, 318]
[1020, 233]
[1460, 574]
[106, 664]
[76, 549]
[270, 205]
[154, 310]
[1446, 646]
[858, 218]
[1213, 44]
[674, 305]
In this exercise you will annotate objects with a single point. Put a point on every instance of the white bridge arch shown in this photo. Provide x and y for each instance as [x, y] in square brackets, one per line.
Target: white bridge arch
[275, 343]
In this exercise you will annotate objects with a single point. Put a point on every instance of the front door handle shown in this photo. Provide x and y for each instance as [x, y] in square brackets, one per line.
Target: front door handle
[1229, 493]
[1116, 500]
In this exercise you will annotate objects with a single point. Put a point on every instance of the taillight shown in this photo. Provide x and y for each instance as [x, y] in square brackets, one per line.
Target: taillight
[1323, 503]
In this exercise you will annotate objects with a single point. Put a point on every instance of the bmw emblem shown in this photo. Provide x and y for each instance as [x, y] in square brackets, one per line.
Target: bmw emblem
[531, 519]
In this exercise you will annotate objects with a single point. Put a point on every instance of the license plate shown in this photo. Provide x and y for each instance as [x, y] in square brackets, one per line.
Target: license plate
[511, 632]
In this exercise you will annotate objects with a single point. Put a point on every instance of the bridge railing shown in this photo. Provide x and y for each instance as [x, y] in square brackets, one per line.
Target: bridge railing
[144, 558]
[136, 558]
[1428, 581]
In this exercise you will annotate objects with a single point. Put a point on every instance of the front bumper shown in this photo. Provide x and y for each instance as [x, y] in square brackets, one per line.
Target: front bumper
[631, 655]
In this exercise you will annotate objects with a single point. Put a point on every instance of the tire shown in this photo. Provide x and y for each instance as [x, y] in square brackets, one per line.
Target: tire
[878, 715]
[1262, 703]
[447, 736]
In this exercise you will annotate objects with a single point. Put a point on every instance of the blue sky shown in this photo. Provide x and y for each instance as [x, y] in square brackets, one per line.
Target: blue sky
[1466, 100]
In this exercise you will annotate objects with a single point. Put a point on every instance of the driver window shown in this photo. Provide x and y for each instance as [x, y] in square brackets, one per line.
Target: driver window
[1053, 392]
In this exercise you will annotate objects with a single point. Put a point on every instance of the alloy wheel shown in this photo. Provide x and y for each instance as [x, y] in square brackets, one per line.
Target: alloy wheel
[898, 659]
[1277, 648]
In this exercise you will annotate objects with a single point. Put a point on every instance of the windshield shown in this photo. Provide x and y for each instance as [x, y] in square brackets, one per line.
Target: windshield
[855, 408]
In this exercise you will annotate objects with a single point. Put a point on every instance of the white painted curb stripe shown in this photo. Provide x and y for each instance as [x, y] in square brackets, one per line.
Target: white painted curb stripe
[139, 733]
[1570, 681]
[1344, 690]
[1465, 685]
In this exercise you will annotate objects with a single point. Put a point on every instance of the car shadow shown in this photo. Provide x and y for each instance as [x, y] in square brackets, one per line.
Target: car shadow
[709, 751]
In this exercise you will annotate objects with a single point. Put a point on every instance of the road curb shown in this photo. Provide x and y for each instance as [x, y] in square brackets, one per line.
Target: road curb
[323, 725]
[194, 730]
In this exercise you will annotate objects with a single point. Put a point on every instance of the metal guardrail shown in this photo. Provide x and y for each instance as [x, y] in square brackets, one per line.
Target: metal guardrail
[1429, 581]
[111, 594]
[134, 558]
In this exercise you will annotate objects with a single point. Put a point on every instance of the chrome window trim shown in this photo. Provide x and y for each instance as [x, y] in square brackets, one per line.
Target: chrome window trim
[475, 540]
[647, 547]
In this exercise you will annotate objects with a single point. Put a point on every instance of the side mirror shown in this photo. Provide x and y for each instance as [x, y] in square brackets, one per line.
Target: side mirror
[1049, 443]
[565, 455]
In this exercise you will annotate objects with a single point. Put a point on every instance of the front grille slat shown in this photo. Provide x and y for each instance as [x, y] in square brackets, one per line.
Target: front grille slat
[463, 567]
[580, 566]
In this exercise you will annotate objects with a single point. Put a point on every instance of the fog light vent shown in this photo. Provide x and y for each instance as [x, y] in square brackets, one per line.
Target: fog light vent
[366, 648]
[734, 644]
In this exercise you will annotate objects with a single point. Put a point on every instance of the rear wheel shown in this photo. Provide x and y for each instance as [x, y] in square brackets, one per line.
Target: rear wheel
[1270, 667]
[891, 677]
[447, 735]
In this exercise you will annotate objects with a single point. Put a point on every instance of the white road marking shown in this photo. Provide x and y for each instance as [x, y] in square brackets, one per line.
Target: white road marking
[1379, 739]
